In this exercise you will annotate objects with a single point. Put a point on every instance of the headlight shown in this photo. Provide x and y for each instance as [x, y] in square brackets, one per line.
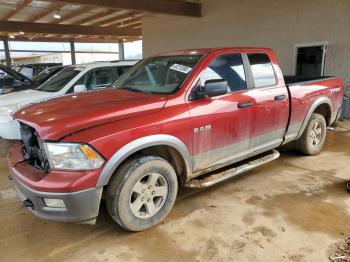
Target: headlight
[10, 108]
[70, 156]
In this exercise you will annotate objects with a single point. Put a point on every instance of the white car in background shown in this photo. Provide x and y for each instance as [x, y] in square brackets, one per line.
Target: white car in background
[75, 78]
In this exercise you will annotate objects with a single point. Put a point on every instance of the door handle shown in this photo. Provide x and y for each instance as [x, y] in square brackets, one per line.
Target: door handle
[245, 104]
[281, 97]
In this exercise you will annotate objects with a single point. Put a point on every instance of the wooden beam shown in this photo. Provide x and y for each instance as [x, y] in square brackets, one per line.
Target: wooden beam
[171, 7]
[98, 39]
[94, 17]
[73, 14]
[60, 52]
[52, 8]
[115, 19]
[42, 28]
[126, 23]
[18, 8]
[132, 22]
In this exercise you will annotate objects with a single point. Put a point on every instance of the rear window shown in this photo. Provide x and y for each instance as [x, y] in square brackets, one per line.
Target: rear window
[262, 70]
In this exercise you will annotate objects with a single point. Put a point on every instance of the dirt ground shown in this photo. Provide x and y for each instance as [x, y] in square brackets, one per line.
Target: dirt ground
[294, 209]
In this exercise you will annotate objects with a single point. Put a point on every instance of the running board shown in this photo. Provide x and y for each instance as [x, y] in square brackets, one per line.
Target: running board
[221, 176]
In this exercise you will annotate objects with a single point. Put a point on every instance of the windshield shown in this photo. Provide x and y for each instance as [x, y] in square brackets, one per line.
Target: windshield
[158, 75]
[42, 76]
[16, 68]
[57, 82]
[27, 71]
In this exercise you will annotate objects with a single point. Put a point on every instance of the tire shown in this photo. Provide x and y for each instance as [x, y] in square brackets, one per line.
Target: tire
[142, 192]
[312, 140]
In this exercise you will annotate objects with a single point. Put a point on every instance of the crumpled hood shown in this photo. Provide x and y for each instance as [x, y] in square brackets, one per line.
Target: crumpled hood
[22, 98]
[59, 117]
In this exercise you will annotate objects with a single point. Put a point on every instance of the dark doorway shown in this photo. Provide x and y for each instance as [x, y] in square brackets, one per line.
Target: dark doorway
[310, 61]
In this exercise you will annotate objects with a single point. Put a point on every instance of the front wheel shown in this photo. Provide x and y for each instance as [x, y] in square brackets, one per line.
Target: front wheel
[142, 193]
[312, 140]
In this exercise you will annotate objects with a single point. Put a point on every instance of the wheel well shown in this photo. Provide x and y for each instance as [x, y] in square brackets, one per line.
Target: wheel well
[168, 153]
[325, 111]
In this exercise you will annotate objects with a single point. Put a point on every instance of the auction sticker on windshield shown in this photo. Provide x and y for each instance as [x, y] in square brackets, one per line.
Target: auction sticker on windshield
[181, 68]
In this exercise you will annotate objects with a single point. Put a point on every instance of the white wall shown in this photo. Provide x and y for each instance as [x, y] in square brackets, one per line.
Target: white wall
[278, 24]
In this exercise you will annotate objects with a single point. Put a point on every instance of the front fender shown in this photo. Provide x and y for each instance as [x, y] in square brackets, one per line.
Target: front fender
[137, 145]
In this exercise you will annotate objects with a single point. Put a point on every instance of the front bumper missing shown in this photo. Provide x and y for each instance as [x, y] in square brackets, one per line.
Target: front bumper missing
[80, 207]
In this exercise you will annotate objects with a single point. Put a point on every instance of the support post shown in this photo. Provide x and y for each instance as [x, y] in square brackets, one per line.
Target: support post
[121, 51]
[7, 52]
[72, 52]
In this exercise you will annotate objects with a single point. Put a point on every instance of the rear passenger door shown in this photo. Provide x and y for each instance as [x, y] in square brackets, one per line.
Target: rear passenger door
[271, 108]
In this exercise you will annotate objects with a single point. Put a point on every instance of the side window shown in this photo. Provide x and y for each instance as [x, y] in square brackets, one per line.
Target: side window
[7, 80]
[89, 80]
[262, 70]
[227, 67]
[122, 69]
[82, 80]
[103, 77]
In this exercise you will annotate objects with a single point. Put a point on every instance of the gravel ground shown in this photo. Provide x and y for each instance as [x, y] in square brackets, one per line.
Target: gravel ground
[294, 209]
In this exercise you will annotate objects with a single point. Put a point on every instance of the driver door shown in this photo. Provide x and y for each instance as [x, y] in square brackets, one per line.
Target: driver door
[221, 125]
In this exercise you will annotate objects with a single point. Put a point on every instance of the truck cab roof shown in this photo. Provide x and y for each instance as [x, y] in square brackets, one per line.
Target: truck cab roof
[205, 51]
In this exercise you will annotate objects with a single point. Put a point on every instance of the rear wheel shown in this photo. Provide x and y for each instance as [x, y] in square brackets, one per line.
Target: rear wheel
[142, 193]
[312, 140]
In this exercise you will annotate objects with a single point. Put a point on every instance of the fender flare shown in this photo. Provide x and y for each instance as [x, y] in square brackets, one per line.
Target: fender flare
[137, 145]
[319, 101]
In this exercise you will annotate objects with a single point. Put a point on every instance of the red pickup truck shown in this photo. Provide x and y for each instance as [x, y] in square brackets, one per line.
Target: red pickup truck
[177, 118]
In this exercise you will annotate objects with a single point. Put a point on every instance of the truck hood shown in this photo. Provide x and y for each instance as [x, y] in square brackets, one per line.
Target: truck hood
[59, 117]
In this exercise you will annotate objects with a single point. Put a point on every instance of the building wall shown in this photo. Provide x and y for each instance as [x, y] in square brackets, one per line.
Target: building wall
[44, 58]
[278, 24]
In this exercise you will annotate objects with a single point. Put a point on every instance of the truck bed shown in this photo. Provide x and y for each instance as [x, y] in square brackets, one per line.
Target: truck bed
[296, 80]
[304, 92]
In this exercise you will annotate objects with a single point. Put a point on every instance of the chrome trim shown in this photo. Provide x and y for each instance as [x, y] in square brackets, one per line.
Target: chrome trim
[139, 144]
[221, 176]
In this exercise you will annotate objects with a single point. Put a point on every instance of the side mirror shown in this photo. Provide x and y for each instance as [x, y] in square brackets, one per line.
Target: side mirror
[215, 87]
[79, 88]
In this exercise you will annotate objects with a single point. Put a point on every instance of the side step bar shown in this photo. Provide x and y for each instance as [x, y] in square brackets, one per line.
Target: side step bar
[218, 177]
